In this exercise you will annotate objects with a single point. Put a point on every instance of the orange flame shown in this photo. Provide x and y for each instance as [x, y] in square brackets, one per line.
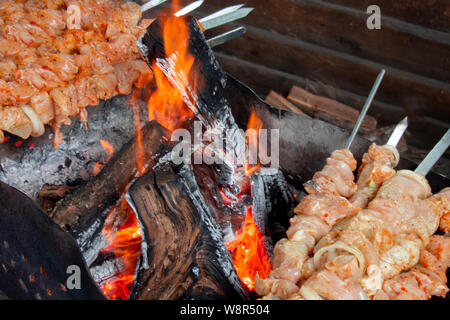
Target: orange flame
[166, 104]
[249, 253]
[126, 245]
[140, 154]
[110, 150]
[254, 127]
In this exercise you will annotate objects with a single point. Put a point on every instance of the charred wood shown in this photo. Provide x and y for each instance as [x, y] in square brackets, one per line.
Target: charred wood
[187, 258]
[211, 107]
[83, 211]
[272, 203]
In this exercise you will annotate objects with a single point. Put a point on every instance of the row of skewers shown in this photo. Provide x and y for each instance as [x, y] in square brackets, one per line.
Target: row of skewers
[59, 56]
[369, 239]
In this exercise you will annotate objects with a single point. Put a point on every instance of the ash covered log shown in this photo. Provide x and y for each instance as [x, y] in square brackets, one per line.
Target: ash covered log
[187, 258]
[84, 211]
[28, 165]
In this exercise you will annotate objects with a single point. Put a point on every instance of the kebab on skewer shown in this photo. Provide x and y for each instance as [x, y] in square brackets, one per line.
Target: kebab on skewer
[326, 204]
[377, 165]
[318, 212]
[424, 280]
[428, 277]
[55, 60]
[355, 260]
[360, 255]
[307, 228]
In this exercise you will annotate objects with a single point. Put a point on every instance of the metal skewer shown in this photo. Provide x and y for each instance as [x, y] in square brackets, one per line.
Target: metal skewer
[224, 16]
[189, 8]
[151, 4]
[213, 20]
[434, 155]
[227, 36]
[223, 11]
[365, 108]
[398, 132]
[394, 139]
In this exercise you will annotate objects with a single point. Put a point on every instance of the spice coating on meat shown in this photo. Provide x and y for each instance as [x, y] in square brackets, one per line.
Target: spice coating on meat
[379, 244]
[65, 55]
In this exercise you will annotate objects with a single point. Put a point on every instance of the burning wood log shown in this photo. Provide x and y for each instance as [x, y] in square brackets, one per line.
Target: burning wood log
[102, 193]
[187, 258]
[272, 203]
[205, 87]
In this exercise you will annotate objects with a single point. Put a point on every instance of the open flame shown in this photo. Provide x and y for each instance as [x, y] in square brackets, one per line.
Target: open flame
[108, 147]
[167, 105]
[248, 249]
[249, 253]
[254, 127]
[171, 104]
[125, 245]
[140, 154]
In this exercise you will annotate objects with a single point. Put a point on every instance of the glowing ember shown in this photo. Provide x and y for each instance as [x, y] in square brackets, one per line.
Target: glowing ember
[119, 289]
[96, 169]
[109, 149]
[126, 245]
[166, 104]
[249, 253]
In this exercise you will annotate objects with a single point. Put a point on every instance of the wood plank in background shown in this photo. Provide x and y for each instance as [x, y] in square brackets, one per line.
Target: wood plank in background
[434, 14]
[328, 109]
[405, 46]
[423, 131]
[340, 70]
[277, 100]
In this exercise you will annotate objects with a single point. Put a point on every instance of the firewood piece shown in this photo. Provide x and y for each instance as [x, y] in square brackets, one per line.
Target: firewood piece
[212, 106]
[50, 194]
[328, 109]
[54, 192]
[89, 202]
[187, 257]
[277, 100]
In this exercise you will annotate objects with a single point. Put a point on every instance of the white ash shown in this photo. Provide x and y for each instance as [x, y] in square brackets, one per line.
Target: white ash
[29, 169]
